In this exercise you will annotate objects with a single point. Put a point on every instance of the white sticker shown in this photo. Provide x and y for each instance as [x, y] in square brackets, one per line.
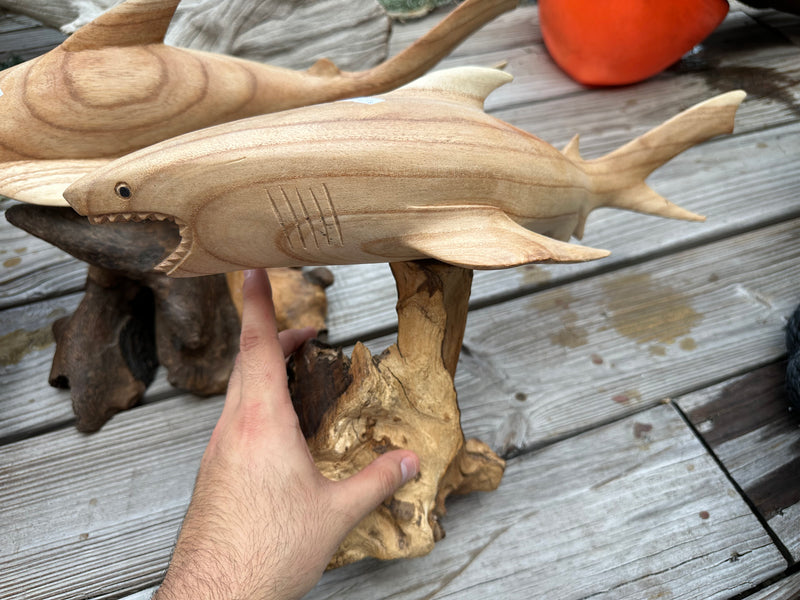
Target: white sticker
[364, 100]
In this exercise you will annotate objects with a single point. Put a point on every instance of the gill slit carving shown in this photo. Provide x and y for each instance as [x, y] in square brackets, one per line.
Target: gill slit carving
[336, 223]
[306, 216]
[279, 217]
[294, 217]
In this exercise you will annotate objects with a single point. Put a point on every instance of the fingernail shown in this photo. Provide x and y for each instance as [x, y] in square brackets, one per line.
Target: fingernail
[249, 273]
[408, 467]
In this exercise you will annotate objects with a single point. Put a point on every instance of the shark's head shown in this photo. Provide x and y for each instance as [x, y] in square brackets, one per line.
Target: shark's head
[128, 189]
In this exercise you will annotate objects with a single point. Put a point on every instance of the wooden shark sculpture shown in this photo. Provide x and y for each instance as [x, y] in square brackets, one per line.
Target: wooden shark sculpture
[419, 172]
[114, 87]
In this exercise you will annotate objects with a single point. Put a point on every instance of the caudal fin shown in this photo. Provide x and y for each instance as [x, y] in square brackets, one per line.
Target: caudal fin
[617, 179]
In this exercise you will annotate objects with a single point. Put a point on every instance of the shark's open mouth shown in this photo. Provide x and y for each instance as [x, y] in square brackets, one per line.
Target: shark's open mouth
[178, 254]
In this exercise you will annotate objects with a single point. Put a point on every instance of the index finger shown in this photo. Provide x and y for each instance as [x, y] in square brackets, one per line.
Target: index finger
[263, 371]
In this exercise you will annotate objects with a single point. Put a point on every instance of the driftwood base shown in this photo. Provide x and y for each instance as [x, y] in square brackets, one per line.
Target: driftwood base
[131, 319]
[352, 410]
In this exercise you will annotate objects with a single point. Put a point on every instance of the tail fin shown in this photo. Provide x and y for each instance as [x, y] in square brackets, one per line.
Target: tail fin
[422, 55]
[617, 178]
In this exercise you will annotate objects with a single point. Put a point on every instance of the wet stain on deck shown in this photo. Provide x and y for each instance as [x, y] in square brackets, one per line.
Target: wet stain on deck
[757, 81]
[15, 345]
[650, 312]
[571, 335]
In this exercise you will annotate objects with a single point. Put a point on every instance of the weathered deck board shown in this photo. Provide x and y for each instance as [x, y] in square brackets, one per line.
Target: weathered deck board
[621, 340]
[96, 516]
[519, 27]
[747, 424]
[785, 589]
[23, 38]
[652, 471]
[618, 505]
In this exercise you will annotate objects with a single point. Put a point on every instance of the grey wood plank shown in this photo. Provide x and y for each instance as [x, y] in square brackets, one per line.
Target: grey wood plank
[27, 402]
[13, 22]
[748, 425]
[28, 43]
[552, 363]
[519, 27]
[635, 507]
[785, 589]
[785, 23]
[100, 517]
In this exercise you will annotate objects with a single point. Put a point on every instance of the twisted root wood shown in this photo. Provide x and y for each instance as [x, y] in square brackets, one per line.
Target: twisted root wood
[352, 410]
[132, 319]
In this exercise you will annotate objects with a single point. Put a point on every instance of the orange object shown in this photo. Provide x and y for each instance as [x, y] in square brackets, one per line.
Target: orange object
[616, 42]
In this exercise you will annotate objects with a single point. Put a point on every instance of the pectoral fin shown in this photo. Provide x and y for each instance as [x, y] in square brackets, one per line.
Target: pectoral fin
[43, 181]
[484, 237]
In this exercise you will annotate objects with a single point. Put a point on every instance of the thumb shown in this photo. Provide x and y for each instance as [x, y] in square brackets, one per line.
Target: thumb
[364, 491]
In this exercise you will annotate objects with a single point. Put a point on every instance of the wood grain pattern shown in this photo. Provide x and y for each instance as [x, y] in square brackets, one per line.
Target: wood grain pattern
[721, 195]
[753, 182]
[420, 172]
[601, 511]
[353, 409]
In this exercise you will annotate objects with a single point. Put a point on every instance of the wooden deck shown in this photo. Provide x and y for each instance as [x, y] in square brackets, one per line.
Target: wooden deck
[639, 399]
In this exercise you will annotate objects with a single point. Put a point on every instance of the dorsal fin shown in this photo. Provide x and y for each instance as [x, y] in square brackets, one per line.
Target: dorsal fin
[469, 84]
[132, 23]
[324, 68]
[572, 149]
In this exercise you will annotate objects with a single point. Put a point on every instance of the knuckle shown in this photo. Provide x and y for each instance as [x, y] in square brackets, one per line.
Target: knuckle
[250, 339]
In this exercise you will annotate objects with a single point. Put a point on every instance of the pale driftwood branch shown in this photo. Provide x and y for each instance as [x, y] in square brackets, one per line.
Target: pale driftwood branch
[298, 295]
[354, 409]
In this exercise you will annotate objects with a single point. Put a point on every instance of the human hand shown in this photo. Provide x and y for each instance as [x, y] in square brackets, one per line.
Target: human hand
[263, 522]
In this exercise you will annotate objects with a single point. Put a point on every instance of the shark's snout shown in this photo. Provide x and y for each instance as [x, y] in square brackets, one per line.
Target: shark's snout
[77, 196]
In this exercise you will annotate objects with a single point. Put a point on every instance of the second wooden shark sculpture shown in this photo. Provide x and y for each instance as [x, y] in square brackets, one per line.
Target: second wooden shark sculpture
[419, 172]
[114, 87]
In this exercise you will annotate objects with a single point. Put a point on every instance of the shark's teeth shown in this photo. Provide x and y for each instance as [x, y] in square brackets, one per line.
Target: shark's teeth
[177, 256]
[126, 217]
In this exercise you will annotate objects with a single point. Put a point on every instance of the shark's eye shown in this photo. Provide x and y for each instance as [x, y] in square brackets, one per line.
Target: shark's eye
[123, 190]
